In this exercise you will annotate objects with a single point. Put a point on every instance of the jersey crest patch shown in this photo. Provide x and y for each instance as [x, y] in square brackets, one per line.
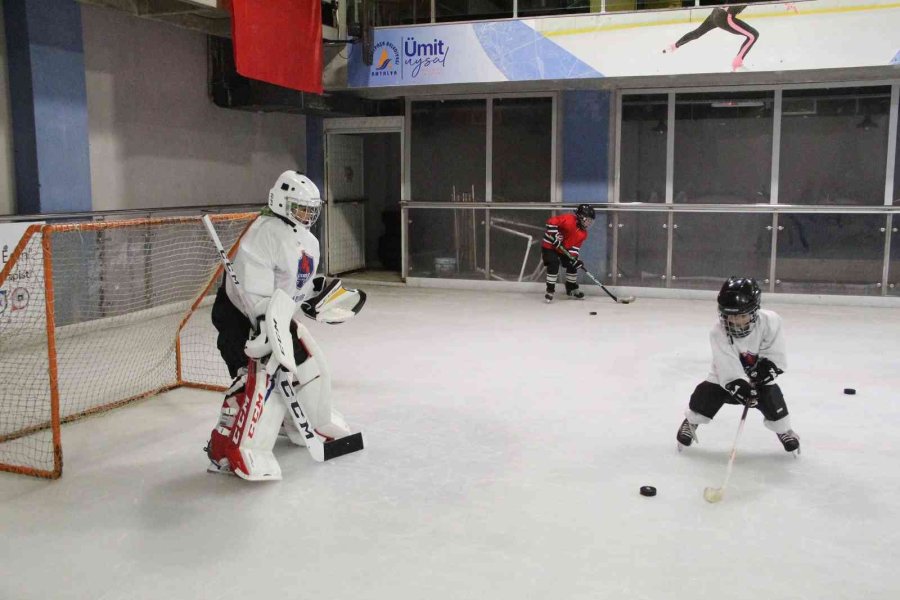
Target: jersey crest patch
[748, 360]
[306, 268]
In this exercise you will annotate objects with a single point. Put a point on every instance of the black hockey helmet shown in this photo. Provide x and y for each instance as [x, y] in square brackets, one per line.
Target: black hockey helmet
[739, 305]
[585, 212]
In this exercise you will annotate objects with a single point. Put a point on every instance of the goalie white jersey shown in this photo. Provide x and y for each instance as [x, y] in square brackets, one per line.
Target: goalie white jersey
[274, 255]
[733, 356]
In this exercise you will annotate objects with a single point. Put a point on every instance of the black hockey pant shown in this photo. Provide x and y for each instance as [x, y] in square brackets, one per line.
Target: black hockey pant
[234, 330]
[552, 260]
[709, 397]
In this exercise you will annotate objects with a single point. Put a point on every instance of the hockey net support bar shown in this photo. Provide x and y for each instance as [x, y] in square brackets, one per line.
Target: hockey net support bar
[99, 314]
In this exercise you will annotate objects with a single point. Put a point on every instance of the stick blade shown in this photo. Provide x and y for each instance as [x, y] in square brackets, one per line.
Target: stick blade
[627, 300]
[344, 445]
[713, 495]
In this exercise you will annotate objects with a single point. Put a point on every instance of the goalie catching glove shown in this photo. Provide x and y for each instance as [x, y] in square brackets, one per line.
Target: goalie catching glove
[333, 303]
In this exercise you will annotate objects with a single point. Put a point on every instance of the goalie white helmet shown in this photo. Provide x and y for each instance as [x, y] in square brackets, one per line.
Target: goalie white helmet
[295, 198]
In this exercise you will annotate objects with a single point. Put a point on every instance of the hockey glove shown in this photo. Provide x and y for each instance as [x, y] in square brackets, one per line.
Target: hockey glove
[557, 242]
[742, 392]
[764, 372]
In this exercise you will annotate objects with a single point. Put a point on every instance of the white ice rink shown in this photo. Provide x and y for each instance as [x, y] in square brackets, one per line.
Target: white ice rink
[506, 442]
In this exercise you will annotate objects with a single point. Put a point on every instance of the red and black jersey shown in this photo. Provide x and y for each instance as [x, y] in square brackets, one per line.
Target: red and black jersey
[566, 227]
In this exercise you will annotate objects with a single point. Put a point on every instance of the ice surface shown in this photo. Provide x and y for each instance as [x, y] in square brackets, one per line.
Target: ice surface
[506, 442]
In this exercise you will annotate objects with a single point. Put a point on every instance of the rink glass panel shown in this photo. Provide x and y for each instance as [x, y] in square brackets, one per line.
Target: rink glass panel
[448, 147]
[707, 248]
[723, 147]
[516, 244]
[642, 240]
[834, 146]
[643, 148]
[447, 243]
[522, 150]
[830, 253]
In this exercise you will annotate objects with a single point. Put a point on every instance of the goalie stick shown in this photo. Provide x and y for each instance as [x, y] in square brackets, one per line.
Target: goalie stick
[314, 443]
[622, 300]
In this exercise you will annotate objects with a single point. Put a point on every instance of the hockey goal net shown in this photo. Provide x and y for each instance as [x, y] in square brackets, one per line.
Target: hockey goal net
[95, 315]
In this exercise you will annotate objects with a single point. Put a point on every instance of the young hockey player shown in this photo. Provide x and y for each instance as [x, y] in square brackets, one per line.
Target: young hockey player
[277, 257]
[748, 354]
[567, 232]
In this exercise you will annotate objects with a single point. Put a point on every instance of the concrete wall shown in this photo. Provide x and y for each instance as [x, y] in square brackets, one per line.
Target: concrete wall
[156, 140]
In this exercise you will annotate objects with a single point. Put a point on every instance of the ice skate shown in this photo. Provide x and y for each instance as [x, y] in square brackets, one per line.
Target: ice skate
[737, 64]
[687, 434]
[575, 294]
[548, 296]
[790, 441]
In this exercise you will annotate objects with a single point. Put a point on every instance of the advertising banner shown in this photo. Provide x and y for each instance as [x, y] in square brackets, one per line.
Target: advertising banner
[816, 34]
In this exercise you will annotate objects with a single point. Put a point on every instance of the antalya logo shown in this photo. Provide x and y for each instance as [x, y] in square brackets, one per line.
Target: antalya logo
[385, 60]
[425, 57]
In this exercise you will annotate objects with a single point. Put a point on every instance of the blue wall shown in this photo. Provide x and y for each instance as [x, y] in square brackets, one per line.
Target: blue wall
[48, 105]
[585, 165]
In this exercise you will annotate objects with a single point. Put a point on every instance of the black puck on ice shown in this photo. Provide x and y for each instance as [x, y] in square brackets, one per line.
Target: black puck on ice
[849, 391]
[648, 490]
[593, 313]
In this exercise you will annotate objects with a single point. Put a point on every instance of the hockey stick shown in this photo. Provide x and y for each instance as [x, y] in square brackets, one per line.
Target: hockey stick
[313, 443]
[713, 495]
[623, 300]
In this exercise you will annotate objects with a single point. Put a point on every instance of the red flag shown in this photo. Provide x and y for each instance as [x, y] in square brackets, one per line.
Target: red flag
[279, 41]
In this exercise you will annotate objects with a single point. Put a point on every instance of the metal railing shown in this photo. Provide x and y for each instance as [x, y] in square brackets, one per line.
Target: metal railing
[812, 249]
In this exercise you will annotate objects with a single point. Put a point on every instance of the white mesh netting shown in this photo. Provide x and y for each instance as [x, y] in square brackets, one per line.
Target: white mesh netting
[130, 301]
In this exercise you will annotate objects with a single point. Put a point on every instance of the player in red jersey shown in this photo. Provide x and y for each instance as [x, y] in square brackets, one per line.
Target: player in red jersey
[567, 231]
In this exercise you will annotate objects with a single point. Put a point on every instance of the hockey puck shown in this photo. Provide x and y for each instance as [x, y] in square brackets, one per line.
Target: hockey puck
[593, 313]
[648, 490]
[849, 391]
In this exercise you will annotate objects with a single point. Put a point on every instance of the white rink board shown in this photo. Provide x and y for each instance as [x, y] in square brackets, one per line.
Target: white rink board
[506, 442]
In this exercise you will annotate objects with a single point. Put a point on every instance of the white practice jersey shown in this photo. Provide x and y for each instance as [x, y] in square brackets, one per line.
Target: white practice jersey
[731, 356]
[274, 255]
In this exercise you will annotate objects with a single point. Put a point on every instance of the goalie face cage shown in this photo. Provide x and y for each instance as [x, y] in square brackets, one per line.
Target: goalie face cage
[97, 315]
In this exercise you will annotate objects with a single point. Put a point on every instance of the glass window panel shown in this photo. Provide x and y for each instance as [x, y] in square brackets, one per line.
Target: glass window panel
[723, 147]
[642, 244]
[834, 146]
[642, 172]
[402, 12]
[522, 149]
[472, 10]
[449, 142]
[708, 248]
[516, 244]
[536, 8]
[446, 243]
[830, 254]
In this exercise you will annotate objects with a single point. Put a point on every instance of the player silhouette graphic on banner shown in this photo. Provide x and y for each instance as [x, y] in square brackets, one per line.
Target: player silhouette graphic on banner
[727, 20]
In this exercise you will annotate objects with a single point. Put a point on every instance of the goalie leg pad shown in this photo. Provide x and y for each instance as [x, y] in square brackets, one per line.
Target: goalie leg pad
[246, 447]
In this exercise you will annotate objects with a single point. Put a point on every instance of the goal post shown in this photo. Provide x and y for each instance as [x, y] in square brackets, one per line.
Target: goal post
[95, 315]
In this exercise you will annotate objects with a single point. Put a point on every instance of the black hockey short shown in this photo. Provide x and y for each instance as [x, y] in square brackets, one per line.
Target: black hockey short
[709, 397]
[552, 260]
[234, 330]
